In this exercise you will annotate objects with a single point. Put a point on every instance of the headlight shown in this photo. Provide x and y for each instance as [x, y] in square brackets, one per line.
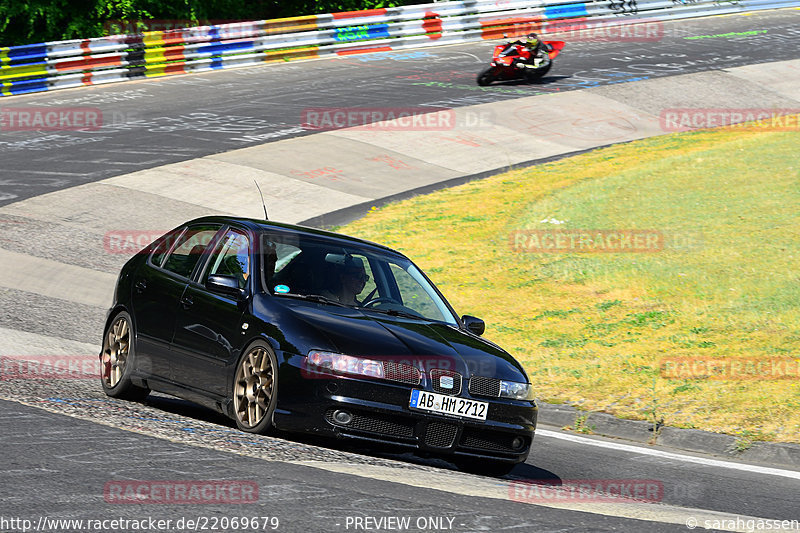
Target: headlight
[341, 364]
[516, 391]
[346, 364]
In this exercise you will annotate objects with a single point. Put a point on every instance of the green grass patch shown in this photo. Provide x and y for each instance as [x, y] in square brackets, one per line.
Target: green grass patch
[592, 328]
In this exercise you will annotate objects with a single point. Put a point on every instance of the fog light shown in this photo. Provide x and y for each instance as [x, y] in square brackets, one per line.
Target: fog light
[517, 444]
[342, 417]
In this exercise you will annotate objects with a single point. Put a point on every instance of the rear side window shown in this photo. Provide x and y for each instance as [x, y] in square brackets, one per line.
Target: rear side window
[189, 249]
[161, 249]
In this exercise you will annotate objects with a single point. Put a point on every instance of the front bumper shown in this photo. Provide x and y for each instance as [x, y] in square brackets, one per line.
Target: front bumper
[380, 413]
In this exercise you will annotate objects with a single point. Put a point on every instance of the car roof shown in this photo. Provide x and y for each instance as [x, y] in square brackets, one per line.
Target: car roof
[256, 225]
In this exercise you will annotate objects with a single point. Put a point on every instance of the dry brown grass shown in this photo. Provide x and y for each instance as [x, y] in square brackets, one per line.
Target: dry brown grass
[592, 329]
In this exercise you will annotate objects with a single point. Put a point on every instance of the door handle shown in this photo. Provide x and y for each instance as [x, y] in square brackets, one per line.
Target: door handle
[187, 302]
[141, 285]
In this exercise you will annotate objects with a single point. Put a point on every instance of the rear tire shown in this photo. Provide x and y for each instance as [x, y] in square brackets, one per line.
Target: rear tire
[486, 77]
[117, 360]
[532, 75]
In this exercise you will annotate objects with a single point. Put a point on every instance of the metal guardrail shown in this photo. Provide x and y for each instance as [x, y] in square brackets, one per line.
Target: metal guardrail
[64, 64]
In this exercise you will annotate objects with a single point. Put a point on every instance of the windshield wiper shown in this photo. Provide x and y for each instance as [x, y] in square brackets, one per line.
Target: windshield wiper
[395, 312]
[311, 298]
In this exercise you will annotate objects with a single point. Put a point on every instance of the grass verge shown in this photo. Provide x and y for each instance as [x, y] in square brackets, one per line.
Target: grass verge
[594, 329]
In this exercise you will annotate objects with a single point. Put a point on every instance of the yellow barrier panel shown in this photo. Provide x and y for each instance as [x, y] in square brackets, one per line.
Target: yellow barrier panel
[22, 71]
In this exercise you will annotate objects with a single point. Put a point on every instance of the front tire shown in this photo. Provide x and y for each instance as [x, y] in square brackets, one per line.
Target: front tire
[486, 76]
[255, 389]
[117, 360]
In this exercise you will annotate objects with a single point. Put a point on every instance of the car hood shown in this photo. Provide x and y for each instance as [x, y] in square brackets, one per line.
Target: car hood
[421, 342]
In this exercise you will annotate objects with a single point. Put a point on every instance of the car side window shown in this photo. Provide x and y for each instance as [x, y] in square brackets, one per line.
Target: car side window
[369, 280]
[161, 249]
[231, 258]
[414, 295]
[189, 249]
[280, 258]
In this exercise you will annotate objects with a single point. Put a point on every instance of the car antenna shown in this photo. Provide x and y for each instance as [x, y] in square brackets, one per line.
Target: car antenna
[266, 217]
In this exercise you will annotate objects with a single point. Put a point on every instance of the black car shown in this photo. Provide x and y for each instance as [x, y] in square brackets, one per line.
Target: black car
[304, 330]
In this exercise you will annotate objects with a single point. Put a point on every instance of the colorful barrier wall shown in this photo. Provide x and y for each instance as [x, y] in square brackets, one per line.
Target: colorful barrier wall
[63, 64]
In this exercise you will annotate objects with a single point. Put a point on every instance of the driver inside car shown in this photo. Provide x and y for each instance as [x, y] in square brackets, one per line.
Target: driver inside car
[351, 281]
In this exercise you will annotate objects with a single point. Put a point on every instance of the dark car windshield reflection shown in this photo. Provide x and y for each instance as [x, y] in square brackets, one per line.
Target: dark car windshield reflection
[303, 266]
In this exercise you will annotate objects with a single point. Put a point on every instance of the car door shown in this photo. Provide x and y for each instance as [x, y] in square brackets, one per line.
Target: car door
[158, 286]
[209, 330]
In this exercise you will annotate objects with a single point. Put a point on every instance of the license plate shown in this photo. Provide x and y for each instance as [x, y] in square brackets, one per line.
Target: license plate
[448, 405]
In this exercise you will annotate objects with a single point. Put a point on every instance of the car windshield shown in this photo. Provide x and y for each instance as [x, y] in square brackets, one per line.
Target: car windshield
[325, 270]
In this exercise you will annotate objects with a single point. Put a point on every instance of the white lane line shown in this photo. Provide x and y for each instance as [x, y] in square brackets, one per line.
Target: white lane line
[791, 474]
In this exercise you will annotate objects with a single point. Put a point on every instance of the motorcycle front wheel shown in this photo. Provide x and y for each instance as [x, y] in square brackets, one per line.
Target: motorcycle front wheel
[486, 76]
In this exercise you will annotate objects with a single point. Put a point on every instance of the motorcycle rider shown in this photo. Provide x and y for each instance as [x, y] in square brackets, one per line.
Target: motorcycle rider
[537, 48]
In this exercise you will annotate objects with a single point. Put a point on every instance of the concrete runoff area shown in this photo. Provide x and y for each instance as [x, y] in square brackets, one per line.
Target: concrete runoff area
[780, 78]
[729, 89]
[220, 186]
[355, 168]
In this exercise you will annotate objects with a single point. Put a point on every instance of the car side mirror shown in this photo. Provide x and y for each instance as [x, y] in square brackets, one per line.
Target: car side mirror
[474, 324]
[227, 285]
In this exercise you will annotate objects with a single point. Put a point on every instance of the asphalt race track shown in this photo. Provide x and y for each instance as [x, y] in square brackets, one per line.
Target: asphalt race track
[63, 441]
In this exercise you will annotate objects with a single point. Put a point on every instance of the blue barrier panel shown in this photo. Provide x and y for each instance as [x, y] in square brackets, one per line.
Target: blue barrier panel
[26, 53]
[23, 87]
[228, 47]
[359, 33]
[567, 11]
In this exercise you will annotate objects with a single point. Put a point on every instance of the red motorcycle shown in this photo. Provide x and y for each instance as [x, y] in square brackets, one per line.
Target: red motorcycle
[513, 61]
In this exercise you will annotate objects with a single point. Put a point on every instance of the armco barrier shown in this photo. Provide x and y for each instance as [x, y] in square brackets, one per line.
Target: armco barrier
[63, 64]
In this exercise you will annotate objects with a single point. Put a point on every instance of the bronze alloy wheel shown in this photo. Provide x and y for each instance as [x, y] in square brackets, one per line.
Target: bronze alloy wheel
[116, 348]
[255, 391]
[117, 360]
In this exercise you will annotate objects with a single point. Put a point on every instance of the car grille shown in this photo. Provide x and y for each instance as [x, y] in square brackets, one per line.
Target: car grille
[487, 440]
[436, 377]
[401, 372]
[376, 424]
[481, 386]
[440, 435]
